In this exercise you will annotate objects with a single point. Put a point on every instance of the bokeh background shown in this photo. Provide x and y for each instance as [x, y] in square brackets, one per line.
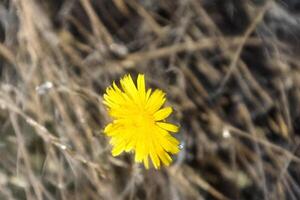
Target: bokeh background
[230, 68]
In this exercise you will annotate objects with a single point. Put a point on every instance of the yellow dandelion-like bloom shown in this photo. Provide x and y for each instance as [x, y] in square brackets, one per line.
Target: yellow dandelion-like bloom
[139, 122]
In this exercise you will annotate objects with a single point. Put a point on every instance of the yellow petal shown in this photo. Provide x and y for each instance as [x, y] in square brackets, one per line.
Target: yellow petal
[165, 158]
[155, 101]
[146, 162]
[168, 126]
[170, 145]
[162, 113]
[148, 94]
[139, 152]
[118, 149]
[141, 86]
[153, 156]
[129, 87]
[116, 87]
[112, 129]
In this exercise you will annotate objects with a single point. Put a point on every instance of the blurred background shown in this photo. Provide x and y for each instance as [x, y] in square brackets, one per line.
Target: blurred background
[230, 68]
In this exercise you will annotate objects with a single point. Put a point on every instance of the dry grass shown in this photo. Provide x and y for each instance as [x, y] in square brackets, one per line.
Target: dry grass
[231, 71]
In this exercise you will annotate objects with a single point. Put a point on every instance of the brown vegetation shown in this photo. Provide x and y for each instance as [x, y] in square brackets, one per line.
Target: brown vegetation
[230, 69]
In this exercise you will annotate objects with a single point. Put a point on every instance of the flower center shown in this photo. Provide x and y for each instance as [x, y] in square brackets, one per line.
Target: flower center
[143, 119]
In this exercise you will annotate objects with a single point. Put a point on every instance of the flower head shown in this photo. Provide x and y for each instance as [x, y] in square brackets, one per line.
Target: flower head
[139, 122]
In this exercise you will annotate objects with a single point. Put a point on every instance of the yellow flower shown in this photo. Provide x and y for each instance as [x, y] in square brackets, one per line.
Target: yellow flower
[139, 122]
